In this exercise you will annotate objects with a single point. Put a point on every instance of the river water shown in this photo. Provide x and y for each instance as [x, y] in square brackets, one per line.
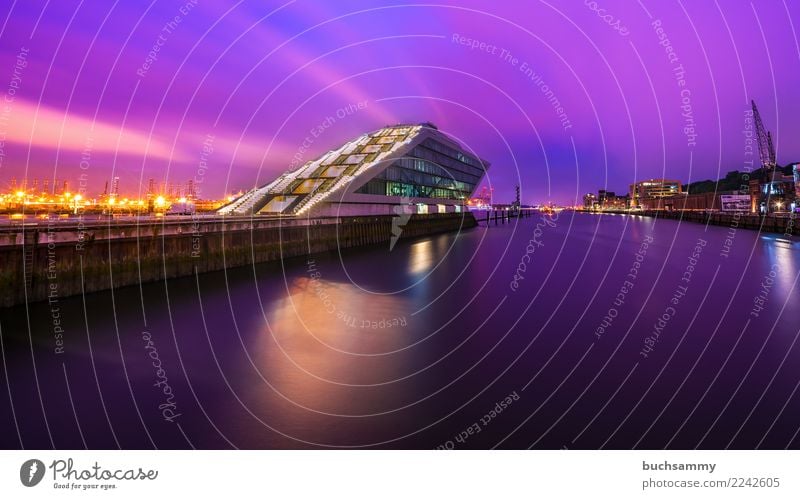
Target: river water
[570, 331]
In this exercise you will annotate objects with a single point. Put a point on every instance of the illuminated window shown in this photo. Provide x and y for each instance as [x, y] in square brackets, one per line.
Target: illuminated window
[333, 171]
[354, 159]
[307, 186]
[278, 203]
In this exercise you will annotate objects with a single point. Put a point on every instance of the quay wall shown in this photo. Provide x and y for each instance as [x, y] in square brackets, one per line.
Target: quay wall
[788, 225]
[48, 260]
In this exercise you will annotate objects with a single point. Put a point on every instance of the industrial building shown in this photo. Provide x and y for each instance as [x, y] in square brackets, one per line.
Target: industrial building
[653, 189]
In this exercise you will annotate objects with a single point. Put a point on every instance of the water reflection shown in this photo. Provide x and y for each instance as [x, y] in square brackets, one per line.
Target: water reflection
[782, 255]
[384, 345]
[421, 258]
[325, 339]
[336, 314]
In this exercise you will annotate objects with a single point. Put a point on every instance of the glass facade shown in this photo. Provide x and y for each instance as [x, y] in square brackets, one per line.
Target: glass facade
[431, 170]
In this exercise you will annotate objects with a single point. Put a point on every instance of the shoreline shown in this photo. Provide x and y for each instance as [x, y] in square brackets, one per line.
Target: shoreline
[788, 225]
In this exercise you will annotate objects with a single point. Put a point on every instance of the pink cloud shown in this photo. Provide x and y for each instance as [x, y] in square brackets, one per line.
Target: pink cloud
[53, 128]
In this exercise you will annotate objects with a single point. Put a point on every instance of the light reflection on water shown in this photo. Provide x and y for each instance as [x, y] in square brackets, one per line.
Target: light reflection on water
[784, 253]
[336, 314]
[352, 352]
[422, 257]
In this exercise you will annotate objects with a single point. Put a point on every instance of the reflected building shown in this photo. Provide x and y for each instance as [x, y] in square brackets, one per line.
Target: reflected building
[394, 170]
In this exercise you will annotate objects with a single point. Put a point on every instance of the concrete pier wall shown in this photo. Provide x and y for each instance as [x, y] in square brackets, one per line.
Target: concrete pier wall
[51, 260]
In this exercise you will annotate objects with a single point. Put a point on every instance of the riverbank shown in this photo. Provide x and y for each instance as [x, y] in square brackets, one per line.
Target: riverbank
[787, 225]
[48, 261]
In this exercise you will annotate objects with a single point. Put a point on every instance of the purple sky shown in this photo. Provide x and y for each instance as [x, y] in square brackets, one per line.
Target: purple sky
[253, 78]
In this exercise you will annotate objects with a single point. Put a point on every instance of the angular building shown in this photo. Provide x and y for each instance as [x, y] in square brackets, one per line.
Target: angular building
[415, 167]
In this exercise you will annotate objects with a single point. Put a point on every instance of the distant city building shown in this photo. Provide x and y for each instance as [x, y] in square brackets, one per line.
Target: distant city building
[704, 201]
[796, 175]
[653, 188]
[190, 192]
[115, 187]
[610, 200]
[777, 192]
[763, 191]
[589, 201]
[402, 168]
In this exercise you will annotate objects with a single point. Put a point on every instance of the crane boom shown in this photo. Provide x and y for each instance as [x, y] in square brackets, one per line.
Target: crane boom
[766, 150]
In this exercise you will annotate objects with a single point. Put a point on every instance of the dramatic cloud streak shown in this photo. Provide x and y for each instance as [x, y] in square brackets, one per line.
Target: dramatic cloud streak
[41, 126]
